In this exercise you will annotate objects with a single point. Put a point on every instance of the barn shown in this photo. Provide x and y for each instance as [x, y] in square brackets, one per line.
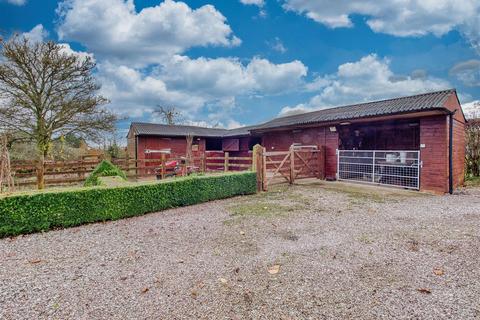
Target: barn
[148, 141]
[415, 142]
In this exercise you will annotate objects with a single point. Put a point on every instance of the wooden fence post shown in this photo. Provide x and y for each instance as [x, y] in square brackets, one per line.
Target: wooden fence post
[203, 160]
[254, 159]
[264, 169]
[292, 165]
[226, 162]
[163, 166]
[258, 165]
[82, 169]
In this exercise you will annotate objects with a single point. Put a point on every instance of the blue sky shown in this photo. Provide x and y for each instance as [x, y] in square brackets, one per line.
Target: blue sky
[240, 62]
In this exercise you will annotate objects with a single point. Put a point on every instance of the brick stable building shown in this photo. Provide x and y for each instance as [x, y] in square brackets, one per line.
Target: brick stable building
[416, 142]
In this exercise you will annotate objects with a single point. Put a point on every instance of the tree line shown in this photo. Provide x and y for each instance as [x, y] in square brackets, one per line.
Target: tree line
[472, 148]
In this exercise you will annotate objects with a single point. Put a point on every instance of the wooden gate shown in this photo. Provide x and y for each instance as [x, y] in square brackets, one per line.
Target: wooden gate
[299, 162]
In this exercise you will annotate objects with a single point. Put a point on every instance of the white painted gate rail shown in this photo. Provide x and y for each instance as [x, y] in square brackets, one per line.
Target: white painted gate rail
[386, 167]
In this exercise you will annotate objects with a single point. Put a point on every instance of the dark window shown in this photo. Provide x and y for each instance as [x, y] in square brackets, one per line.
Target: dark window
[213, 144]
[254, 141]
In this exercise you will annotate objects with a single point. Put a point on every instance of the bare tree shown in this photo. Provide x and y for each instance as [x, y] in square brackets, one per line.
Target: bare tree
[170, 115]
[46, 93]
[6, 178]
[472, 159]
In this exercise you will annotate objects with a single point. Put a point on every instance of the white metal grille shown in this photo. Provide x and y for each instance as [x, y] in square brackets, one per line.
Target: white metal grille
[393, 168]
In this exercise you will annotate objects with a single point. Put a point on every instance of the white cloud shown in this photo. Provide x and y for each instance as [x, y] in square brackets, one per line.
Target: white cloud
[114, 29]
[471, 109]
[277, 45]
[134, 94]
[298, 109]
[368, 79]
[471, 30]
[66, 49]
[259, 3]
[397, 17]
[213, 77]
[223, 77]
[232, 124]
[276, 78]
[468, 72]
[195, 84]
[37, 34]
[17, 2]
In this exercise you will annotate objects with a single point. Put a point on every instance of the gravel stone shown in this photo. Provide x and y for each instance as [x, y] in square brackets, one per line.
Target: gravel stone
[343, 251]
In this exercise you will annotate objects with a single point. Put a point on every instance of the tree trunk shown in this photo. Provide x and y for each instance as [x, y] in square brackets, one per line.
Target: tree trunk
[41, 170]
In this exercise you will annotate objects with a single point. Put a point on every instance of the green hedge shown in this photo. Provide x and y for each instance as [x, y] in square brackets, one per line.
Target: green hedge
[104, 169]
[47, 210]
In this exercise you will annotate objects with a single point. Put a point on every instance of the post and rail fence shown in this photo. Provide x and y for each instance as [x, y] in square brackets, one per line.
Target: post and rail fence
[271, 166]
[76, 171]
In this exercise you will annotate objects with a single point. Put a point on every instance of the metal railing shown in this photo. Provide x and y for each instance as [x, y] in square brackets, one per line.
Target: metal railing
[385, 167]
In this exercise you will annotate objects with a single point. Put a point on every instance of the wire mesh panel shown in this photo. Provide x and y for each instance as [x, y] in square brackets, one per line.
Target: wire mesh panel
[393, 168]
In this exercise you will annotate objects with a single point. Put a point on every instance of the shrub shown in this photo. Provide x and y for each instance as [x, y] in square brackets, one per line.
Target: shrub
[47, 210]
[472, 148]
[103, 169]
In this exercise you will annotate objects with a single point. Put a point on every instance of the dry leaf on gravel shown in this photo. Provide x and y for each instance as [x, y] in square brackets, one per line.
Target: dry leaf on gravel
[274, 269]
[438, 271]
[194, 294]
[34, 261]
[424, 290]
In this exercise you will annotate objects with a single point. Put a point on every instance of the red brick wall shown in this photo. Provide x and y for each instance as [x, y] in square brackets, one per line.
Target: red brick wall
[321, 136]
[434, 135]
[458, 141]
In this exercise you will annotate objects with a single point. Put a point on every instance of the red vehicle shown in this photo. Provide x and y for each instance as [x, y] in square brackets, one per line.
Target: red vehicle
[174, 168]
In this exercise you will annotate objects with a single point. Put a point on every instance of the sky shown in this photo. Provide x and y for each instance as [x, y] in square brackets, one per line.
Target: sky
[230, 63]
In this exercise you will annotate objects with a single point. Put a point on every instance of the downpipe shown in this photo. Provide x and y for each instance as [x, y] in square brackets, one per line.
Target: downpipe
[450, 152]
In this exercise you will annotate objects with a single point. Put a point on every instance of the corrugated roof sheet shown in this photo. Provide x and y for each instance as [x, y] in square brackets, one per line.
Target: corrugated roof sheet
[420, 102]
[416, 103]
[155, 129]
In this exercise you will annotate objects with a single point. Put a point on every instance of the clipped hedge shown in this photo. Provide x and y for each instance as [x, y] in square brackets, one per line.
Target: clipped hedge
[104, 169]
[47, 210]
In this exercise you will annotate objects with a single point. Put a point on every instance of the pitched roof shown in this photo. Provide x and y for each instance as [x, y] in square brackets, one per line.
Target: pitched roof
[416, 103]
[155, 129]
[420, 102]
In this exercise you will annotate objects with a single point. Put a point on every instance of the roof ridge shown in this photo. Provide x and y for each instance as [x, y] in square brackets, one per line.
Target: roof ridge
[176, 125]
[369, 102]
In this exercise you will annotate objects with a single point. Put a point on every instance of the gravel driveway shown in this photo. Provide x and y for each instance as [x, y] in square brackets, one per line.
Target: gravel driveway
[312, 251]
